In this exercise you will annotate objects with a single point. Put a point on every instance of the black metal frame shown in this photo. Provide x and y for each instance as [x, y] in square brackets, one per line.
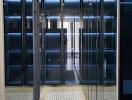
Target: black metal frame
[62, 64]
[101, 41]
[81, 34]
[24, 46]
[5, 42]
[43, 26]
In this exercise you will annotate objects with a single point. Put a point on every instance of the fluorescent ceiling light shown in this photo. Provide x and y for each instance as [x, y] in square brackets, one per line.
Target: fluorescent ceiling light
[52, 1]
[68, 1]
[66, 17]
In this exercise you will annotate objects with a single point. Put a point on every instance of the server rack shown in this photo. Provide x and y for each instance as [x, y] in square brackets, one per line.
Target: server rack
[52, 56]
[13, 43]
[90, 45]
[19, 45]
[124, 29]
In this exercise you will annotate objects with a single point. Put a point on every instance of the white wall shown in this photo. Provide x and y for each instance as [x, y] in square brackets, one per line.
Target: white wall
[2, 81]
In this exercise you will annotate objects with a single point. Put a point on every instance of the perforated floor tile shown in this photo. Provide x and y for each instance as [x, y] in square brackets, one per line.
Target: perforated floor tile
[19, 96]
[62, 96]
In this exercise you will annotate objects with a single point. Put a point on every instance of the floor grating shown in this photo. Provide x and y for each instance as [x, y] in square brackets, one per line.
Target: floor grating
[19, 96]
[63, 96]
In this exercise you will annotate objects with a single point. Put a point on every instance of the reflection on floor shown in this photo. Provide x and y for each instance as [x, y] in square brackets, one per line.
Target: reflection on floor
[71, 92]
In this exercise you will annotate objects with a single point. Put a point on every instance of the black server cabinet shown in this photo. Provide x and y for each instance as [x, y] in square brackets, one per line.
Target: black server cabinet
[52, 56]
[12, 27]
[90, 53]
[125, 82]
